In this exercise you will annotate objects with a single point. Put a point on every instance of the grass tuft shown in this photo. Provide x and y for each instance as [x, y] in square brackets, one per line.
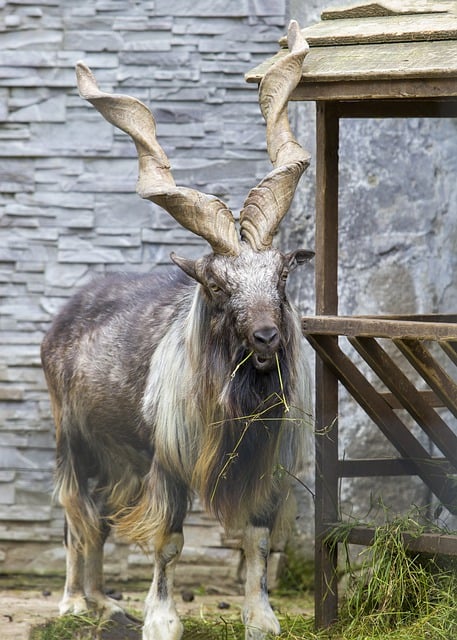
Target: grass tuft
[67, 628]
[400, 594]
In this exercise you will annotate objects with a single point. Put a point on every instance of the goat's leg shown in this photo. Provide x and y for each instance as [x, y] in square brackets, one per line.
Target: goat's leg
[161, 620]
[94, 583]
[258, 615]
[73, 600]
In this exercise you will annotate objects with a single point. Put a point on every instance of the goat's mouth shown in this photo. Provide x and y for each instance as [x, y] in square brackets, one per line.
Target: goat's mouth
[263, 362]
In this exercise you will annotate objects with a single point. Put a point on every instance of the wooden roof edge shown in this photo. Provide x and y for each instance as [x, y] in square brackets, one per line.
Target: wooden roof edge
[386, 8]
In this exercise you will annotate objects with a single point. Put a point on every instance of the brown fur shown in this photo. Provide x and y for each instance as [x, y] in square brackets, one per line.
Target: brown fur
[147, 409]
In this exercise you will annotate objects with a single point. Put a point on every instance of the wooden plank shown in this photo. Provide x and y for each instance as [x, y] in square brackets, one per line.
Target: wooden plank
[399, 384]
[405, 61]
[326, 242]
[352, 326]
[356, 89]
[379, 30]
[400, 108]
[326, 440]
[449, 318]
[386, 419]
[434, 375]
[326, 495]
[386, 8]
[381, 61]
[433, 543]
[385, 467]
[450, 349]
[429, 397]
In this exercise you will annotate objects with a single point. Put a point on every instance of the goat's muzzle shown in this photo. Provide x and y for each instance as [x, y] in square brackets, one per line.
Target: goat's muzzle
[264, 341]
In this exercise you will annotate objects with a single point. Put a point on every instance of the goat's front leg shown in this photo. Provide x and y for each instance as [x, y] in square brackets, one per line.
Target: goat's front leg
[258, 615]
[161, 620]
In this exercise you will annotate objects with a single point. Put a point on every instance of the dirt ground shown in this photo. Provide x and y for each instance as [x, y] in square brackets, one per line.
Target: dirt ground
[25, 607]
[22, 609]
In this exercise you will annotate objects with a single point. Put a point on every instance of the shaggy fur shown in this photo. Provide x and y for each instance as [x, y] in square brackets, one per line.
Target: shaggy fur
[141, 374]
[161, 387]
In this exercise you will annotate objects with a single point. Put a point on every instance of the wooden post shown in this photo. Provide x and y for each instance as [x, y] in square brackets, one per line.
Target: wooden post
[326, 507]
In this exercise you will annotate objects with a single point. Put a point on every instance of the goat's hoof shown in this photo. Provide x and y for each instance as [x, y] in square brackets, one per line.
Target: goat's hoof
[163, 625]
[260, 624]
[104, 605]
[73, 605]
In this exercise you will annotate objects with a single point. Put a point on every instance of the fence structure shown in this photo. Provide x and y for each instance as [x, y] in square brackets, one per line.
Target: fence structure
[398, 61]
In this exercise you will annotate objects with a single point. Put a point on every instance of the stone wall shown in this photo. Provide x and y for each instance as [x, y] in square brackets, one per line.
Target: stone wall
[68, 210]
[68, 206]
[397, 255]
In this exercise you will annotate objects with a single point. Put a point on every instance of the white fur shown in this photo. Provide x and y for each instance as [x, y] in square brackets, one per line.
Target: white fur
[166, 404]
[161, 620]
[258, 615]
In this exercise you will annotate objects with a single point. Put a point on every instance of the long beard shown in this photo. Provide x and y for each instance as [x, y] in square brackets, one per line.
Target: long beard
[235, 473]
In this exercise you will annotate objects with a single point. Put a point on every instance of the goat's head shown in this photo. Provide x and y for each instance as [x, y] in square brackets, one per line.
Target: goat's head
[245, 276]
[247, 297]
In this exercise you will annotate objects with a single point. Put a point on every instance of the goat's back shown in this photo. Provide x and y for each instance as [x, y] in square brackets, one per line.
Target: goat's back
[97, 351]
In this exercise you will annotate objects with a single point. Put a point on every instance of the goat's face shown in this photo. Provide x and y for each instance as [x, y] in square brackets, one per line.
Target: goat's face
[248, 292]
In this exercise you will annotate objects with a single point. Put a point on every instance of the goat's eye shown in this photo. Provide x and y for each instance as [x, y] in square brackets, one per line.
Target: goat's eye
[284, 275]
[214, 288]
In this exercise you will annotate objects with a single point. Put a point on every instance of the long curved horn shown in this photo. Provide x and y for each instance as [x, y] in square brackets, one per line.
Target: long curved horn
[267, 203]
[203, 214]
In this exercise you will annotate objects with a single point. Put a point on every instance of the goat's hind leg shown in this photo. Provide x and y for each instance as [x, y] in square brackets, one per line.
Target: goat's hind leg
[86, 530]
[94, 583]
[73, 600]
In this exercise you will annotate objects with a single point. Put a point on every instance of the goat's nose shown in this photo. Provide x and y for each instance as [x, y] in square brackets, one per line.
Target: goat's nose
[266, 336]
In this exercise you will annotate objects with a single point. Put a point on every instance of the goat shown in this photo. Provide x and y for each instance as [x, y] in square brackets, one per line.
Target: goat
[192, 382]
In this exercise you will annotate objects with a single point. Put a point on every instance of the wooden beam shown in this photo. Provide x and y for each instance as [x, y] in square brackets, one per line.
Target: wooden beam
[430, 543]
[400, 385]
[381, 89]
[429, 397]
[450, 349]
[379, 328]
[326, 242]
[434, 375]
[386, 419]
[383, 467]
[326, 440]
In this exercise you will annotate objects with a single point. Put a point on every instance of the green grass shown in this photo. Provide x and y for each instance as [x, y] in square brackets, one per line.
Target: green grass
[398, 594]
[67, 628]
[392, 594]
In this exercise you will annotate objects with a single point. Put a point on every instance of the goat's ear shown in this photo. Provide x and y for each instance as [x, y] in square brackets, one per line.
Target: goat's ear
[296, 258]
[187, 265]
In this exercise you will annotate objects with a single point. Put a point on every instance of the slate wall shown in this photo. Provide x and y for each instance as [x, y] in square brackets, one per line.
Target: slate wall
[397, 255]
[68, 209]
[68, 206]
